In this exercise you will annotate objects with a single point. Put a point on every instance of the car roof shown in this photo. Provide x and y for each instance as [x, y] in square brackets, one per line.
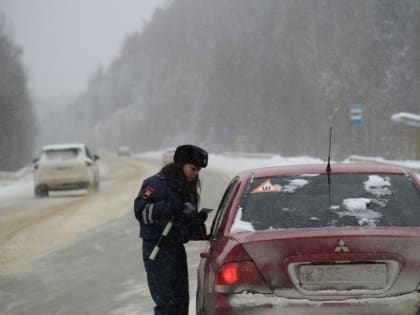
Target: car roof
[336, 168]
[62, 146]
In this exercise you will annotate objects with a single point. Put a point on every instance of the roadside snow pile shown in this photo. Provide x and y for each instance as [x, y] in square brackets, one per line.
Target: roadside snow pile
[238, 163]
[14, 183]
[5, 176]
[411, 164]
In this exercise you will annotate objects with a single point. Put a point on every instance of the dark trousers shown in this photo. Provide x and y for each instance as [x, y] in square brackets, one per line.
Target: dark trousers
[167, 277]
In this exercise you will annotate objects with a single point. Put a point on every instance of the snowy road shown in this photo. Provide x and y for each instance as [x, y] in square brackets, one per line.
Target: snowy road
[75, 253]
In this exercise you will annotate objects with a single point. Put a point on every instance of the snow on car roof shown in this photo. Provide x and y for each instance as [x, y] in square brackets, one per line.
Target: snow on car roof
[61, 146]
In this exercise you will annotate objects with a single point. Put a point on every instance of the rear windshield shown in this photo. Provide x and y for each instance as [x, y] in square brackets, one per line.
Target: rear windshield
[62, 154]
[318, 201]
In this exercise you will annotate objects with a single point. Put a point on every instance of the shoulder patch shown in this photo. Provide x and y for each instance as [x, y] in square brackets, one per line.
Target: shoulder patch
[147, 192]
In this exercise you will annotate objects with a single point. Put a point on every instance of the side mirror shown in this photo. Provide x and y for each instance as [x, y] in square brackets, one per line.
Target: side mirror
[95, 157]
[35, 160]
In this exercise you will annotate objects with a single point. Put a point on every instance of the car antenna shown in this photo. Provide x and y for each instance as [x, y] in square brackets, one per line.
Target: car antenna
[329, 168]
[329, 154]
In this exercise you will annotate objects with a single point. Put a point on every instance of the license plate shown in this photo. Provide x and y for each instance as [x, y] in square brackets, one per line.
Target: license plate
[343, 276]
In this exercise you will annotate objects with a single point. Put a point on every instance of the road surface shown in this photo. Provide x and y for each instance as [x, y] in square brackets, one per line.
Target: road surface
[76, 253]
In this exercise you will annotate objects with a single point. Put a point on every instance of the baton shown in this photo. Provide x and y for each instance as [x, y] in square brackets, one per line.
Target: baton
[165, 233]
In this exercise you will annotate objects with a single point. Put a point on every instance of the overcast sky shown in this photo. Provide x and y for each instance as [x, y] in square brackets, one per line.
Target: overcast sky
[65, 41]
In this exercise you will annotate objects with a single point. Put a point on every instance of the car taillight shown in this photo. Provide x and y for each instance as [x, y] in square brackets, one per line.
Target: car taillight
[228, 275]
[88, 163]
[238, 274]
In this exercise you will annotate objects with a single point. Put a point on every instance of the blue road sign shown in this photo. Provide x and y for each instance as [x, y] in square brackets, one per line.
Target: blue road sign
[356, 115]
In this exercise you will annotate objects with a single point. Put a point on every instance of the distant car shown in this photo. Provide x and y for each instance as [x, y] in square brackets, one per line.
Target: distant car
[124, 151]
[168, 156]
[300, 240]
[65, 167]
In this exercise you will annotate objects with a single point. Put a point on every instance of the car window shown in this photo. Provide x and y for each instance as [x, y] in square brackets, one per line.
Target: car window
[318, 201]
[224, 203]
[88, 154]
[62, 154]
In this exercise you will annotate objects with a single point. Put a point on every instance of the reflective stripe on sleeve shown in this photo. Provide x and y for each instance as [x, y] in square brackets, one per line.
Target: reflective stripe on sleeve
[147, 214]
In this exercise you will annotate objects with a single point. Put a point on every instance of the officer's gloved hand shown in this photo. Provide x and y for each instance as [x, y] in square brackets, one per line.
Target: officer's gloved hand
[188, 208]
[197, 226]
[202, 216]
[190, 212]
[198, 217]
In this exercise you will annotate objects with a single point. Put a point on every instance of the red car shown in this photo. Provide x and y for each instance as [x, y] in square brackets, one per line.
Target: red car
[301, 240]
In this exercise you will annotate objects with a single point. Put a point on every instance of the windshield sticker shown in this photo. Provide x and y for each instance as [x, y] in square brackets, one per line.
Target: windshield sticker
[378, 185]
[266, 187]
[241, 226]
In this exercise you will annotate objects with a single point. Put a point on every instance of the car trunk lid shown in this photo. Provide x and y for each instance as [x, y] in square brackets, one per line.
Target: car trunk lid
[336, 262]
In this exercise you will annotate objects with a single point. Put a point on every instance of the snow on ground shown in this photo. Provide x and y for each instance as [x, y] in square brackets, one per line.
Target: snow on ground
[14, 183]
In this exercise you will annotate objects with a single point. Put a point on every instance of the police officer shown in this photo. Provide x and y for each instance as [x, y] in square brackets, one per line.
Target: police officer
[171, 195]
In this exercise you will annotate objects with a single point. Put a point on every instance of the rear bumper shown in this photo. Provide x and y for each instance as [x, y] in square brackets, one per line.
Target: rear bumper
[265, 304]
[70, 181]
[68, 186]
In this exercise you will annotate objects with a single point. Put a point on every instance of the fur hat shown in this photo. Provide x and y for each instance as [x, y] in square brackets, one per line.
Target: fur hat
[189, 153]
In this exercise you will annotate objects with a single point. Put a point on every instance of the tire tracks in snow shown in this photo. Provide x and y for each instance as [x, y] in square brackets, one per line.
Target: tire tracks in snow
[39, 225]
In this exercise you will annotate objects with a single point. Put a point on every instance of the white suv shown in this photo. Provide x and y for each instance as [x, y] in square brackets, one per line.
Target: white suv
[65, 167]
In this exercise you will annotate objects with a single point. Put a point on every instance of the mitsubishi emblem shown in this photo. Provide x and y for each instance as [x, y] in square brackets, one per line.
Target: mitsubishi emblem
[341, 247]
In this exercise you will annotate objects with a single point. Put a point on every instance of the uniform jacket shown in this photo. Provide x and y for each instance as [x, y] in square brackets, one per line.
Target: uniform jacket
[154, 198]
